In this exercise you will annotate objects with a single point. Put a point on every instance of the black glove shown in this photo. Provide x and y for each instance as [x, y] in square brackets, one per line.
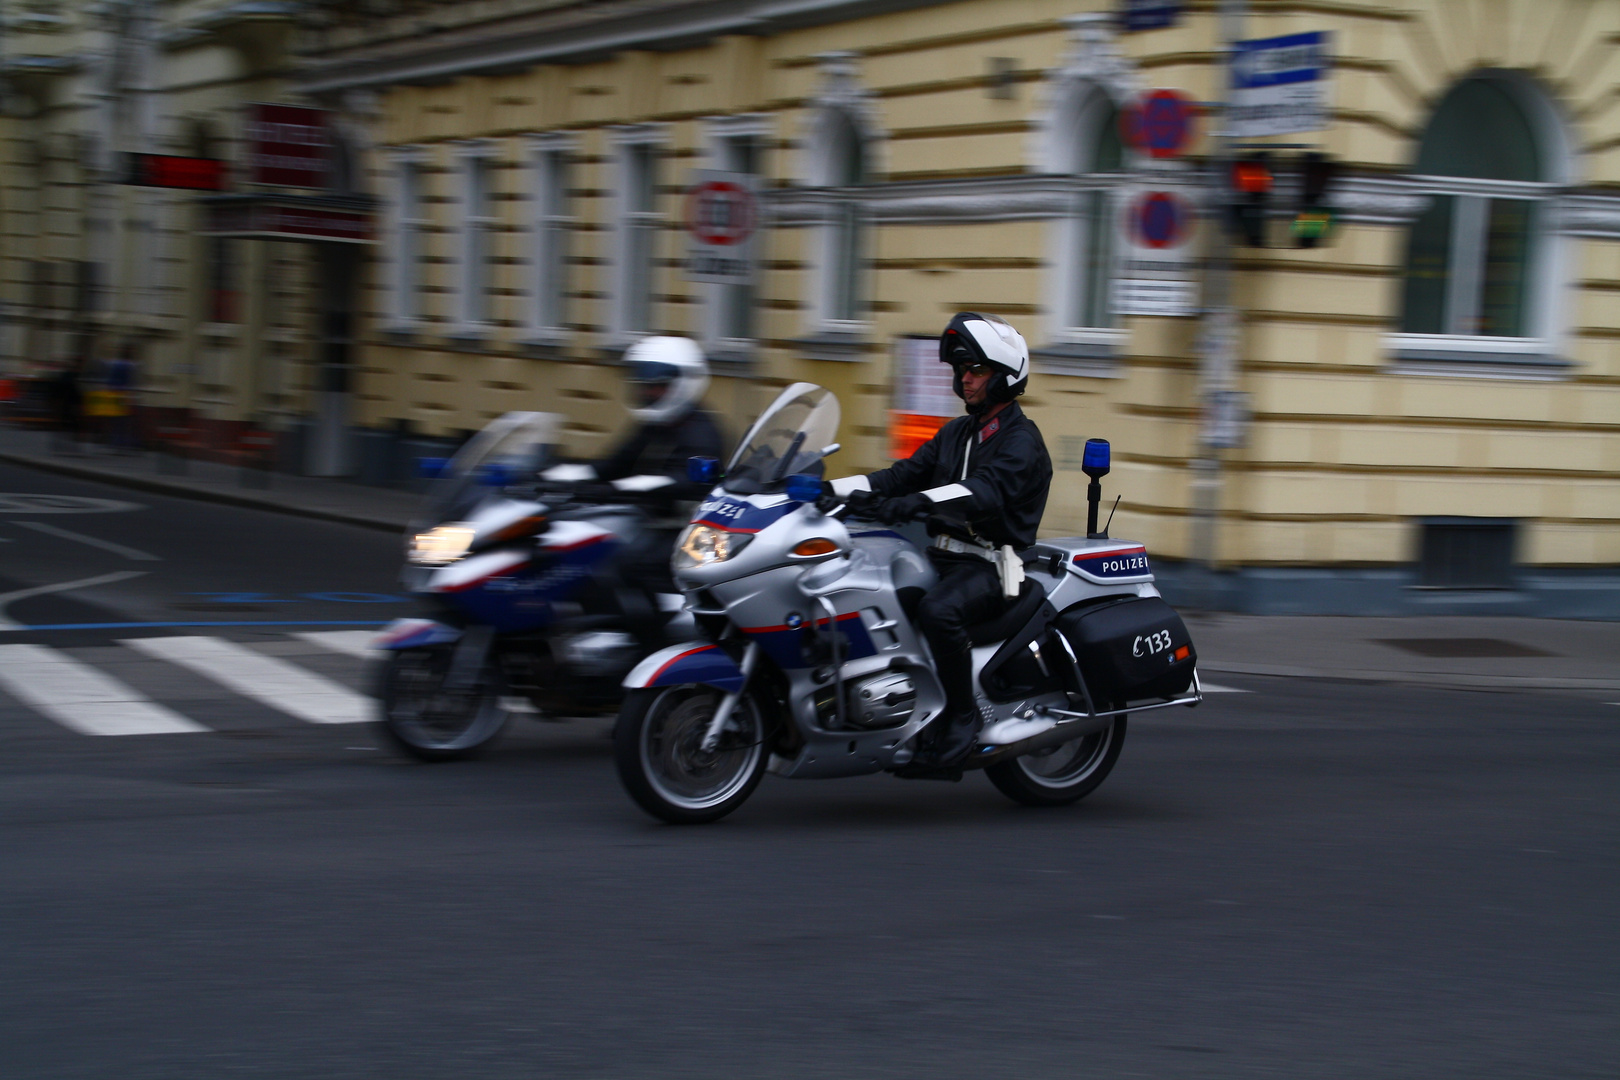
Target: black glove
[862, 504]
[899, 510]
[829, 499]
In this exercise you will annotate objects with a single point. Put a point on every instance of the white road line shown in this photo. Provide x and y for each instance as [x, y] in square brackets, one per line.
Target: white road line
[78, 696]
[6, 599]
[348, 642]
[93, 541]
[1212, 688]
[275, 683]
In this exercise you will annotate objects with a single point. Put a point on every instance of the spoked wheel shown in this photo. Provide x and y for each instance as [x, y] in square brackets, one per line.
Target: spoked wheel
[1063, 774]
[658, 746]
[429, 722]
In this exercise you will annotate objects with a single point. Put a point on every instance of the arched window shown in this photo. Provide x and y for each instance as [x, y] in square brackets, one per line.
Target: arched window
[1476, 259]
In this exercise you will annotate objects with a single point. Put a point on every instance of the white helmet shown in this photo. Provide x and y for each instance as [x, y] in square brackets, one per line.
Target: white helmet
[675, 363]
[972, 339]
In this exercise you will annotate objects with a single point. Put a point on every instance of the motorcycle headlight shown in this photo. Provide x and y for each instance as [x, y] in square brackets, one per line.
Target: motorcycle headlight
[440, 546]
[701, 545]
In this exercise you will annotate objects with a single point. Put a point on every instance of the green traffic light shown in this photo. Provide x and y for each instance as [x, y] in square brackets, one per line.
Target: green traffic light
[1311, 226]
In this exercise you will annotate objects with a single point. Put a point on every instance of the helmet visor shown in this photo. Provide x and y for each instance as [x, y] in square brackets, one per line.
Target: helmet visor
[652, 371]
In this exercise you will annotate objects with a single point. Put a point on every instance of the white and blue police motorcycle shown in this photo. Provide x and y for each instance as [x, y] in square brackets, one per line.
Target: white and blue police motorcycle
[809, 665]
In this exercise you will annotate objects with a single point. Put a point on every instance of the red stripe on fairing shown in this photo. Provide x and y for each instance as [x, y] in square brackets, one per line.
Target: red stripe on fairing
[722, 528]
[1087, 556]
[479, 581]
[689, 652]
[577, 544]
[785, 626]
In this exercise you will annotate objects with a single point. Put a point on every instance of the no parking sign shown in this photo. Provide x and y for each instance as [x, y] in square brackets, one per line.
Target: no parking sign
[721, 217]
[1156, 272]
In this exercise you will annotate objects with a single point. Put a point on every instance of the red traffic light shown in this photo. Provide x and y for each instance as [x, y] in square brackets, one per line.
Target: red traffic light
[1252, 176]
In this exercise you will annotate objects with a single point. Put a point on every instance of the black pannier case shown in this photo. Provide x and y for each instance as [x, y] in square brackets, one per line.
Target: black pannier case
[1131, 649]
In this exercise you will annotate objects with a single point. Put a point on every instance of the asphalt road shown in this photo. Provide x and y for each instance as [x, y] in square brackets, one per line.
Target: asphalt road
[1311, 879]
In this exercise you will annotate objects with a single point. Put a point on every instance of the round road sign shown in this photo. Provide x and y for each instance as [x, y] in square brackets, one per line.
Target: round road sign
[1161, 123]
[719, 212]
[1160, 219]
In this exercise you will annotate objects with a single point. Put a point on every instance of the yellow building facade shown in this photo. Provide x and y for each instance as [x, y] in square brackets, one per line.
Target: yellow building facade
[1432, 398]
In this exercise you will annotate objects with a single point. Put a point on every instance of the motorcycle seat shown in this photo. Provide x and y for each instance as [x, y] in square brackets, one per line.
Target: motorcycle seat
[1031, 595]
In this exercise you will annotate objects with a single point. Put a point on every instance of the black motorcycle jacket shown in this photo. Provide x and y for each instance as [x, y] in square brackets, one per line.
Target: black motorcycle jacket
[988, 480]
[662, 449]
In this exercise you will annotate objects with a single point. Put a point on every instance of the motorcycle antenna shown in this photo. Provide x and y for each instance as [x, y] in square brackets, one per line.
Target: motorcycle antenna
[1110, 520]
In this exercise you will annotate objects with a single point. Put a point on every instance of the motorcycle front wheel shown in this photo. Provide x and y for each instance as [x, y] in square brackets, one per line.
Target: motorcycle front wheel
[658, 747]
[422, 718]
[1063, 774]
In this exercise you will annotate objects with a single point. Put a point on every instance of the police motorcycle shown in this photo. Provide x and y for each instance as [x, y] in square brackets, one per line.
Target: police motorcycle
[809, 665]
[518, 569]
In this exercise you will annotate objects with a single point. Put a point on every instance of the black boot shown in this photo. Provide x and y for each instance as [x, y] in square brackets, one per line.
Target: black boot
[956, 736]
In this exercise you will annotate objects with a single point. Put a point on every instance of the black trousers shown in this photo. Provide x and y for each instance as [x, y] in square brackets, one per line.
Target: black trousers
[968, 592]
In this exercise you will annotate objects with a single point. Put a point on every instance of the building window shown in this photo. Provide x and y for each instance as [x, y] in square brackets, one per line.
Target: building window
[637, 230]
[552, 223]
[405, 285]
[844, 163]
[1082, 329]
[736, 144]
[474, 279]
[1478, 282]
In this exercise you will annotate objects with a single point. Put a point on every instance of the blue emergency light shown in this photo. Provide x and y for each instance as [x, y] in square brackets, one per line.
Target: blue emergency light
[702, 470]
[802, 487]
[1095, 462]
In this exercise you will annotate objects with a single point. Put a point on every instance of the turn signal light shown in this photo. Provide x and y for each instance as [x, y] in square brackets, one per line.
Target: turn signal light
[818, 546]
[1181, 654]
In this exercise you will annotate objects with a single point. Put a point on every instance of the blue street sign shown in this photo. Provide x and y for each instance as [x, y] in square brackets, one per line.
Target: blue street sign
[1279, 85]
[1274, 61]
[1148, 14]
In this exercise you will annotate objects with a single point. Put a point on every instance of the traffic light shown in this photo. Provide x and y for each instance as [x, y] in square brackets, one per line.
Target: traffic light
[1252, 180]
[1314, 219]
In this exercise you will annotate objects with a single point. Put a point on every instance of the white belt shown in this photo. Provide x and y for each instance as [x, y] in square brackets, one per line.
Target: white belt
[962, 547]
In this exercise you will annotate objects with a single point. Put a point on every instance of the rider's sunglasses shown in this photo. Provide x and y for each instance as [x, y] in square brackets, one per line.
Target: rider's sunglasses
[976, 370]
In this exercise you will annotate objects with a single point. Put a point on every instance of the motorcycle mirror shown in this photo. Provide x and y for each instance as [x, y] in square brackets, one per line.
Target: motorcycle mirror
[802, 487]
[431, 468]
[702, 470]
[831, 449]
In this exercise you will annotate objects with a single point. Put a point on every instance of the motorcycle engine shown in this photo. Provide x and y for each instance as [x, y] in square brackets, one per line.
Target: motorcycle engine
[600, 653]
[884, 700]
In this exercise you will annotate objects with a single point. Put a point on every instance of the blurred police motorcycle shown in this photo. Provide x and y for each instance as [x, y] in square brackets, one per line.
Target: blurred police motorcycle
[809, 664]
[530, 603]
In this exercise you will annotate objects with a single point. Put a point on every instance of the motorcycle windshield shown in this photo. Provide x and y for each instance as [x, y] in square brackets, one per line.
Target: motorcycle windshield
[512, 448]
[788, 438]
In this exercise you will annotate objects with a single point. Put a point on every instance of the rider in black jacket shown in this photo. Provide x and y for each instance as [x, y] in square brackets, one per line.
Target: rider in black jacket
[983, 479]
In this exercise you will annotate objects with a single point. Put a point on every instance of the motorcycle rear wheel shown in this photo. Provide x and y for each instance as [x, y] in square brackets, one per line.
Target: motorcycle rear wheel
[427, 723]
[657, 745]
[1064, 774]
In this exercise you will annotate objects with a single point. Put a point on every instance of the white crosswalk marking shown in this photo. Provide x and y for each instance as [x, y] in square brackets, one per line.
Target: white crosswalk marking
[78, 696]
[351, 642]
[273, 682]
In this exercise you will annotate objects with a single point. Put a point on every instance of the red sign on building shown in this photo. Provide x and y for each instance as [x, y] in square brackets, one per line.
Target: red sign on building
[168, 171]
[287, 146]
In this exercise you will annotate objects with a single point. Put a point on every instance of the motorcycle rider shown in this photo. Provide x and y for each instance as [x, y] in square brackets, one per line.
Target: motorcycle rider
[667, 377]
[984, 479]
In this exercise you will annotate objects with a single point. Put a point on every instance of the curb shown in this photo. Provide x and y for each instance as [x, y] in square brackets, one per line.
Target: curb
[1436, 679]
[187, 491]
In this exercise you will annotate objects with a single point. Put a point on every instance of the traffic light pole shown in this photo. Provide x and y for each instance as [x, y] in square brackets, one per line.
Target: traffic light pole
[1218, 336]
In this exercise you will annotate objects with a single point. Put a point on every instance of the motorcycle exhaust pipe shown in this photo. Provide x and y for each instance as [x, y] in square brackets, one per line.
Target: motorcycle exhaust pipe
[1054, 736]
